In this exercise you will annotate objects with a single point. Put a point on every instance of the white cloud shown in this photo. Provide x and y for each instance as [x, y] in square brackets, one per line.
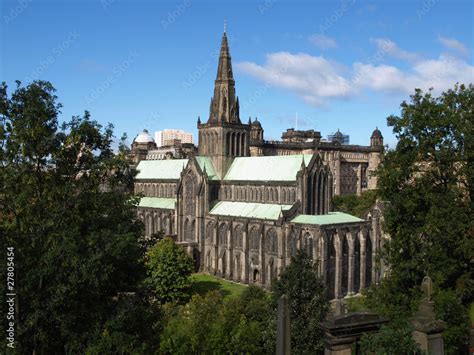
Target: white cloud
[322, 42]
[389, 47]
[317, 79]
[455, 45]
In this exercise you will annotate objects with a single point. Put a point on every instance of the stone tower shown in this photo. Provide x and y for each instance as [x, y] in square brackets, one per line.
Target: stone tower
[224, 136]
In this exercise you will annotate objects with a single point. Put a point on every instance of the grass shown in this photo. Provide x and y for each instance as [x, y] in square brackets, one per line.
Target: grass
[203, 283]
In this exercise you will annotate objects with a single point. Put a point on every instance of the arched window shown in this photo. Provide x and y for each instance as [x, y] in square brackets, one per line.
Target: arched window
[189, 195]
[238, 237]
[293, 244]
[209, 232]
[272, 241]
[189, 230]
[254, 239]
[308, 245]
[223, 234]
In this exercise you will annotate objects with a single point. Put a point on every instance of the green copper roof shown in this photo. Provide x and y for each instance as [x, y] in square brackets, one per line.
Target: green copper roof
[331, 218]
[205, 162]
[249, 210]
[160, 169]
[157, 202]
[268, 168]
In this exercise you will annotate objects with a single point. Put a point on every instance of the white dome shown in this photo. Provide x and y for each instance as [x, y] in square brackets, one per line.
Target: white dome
[144, 137]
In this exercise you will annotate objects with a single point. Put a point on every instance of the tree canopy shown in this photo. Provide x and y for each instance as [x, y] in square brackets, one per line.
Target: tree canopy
[308, 302]
[66, 212]
[428, 183]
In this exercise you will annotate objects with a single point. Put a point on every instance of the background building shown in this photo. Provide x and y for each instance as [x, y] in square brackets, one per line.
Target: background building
[170, 137]
[339, 137]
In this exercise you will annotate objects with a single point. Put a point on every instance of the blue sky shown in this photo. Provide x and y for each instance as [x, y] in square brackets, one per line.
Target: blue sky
[148, 64]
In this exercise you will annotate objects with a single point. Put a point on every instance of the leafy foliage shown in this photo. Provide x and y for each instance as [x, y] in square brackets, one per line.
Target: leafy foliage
[66, 211]
[169, 269]
[355, 205]
[308, 302]
[211, 324]
[428, 180]
[392, 339]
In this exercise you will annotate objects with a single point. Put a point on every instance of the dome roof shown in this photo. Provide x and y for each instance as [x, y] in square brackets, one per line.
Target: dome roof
[144, 137]
[376, 133]
[256, 123]
[338, 134]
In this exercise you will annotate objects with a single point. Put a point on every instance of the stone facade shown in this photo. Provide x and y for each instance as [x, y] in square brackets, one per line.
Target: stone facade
[243, 206]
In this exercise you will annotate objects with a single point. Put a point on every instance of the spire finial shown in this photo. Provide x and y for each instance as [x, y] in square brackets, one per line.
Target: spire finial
[225, 26]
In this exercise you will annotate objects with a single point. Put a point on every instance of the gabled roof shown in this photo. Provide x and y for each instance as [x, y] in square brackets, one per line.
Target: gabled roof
[267, 168]
[206, 163]
[249, 210]
[157, 202]
[160, 169]
[330, 218]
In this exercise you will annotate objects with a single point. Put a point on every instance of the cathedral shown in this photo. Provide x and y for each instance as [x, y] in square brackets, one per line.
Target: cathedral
[242, 206]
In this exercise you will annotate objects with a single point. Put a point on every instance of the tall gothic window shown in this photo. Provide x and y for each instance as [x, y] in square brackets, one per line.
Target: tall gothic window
[238, 237]
[308, 245]
[189, 230]
[209, 232]
[293, 244]
[254, 239]
[223, 234]
[189, 195]
[272, 242]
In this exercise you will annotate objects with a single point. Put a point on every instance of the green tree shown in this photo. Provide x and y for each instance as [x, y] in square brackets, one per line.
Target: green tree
[308, 302]
[65, 212]
[428, 181]
[241, 324]
[392, 339]
[188, 331]
[355, 205]
[169, 268]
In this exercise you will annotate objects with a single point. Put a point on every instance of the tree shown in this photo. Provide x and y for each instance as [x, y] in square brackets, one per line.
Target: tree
[428, 181]
[65, 213]
[188, 331]
[210, 324]
[169, 268]
[308, 302]
[355, 205]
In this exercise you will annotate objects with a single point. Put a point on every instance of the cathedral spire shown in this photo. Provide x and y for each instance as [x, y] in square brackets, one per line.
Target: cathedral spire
[224, 104]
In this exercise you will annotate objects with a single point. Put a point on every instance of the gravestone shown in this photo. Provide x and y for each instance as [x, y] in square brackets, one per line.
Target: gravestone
[283, 327]
[428, 331]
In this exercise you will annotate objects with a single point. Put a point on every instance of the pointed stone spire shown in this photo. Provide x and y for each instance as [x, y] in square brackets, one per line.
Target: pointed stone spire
[199, 120]
[224, 104]
[250, 121]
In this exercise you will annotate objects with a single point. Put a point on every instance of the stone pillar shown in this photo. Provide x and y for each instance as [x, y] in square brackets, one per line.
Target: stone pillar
[229, 258]
[359, 180]
[324, 256]
[338, 173]
[350, 286]
[283, 327]
[362, 260]
[338, 274]
[245, 267]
